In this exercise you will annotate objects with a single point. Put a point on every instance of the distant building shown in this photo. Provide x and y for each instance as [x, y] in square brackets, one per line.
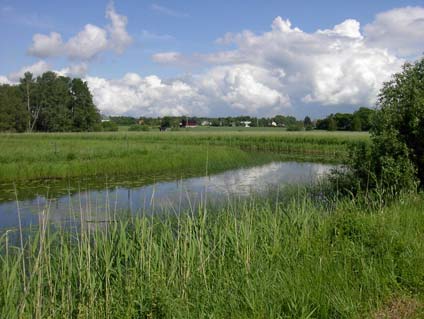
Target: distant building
[187, 123]
[206, 123]
[274, 123]
[246, 123]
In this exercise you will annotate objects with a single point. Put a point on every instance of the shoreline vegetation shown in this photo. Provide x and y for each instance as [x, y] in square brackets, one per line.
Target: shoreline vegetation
[67, 155]
[292, 258]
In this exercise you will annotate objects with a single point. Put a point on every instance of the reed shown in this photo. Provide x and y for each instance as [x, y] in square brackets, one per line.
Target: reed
[254, 259]
[63, 155]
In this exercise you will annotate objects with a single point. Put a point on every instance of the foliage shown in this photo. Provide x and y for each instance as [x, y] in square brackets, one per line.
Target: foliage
[399, 129]
[298, 126]
[139, 128]
[49, 103]
[31, 156]
[13, 115]
[109, 126]
[360, 120]
[259, 259]
[394, 161]
[123, 120]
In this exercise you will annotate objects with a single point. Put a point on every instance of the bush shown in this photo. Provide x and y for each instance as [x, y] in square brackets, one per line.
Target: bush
[139, 128]
[109, 126]
[395, 159]
[295, 127]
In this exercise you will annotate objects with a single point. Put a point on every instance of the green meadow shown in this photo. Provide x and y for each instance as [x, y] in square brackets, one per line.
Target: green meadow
[305, 253]
[62, 155]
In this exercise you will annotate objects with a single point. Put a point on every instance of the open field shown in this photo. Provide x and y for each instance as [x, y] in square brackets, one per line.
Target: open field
[265, 259]
[302, 255]
[60, 155]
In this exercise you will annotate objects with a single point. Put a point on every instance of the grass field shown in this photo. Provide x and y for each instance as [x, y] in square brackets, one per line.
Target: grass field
[60, 155]
[304, 255]
[263, 259]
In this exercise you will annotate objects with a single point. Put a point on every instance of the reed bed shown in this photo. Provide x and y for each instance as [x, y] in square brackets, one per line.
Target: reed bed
[255, 259]
[60, 155]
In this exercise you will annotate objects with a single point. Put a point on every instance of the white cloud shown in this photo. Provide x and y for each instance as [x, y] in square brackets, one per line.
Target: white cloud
[167, 11]
[267, 73]
[46, 45]
[88, 43]
[399, 30]
[168, 57]
[329, 67]
[119, 37]
[246, 88]
[4, 80]
[36, 69]
[148, 96]
[349, 28]
[76, 70]
[242, 89]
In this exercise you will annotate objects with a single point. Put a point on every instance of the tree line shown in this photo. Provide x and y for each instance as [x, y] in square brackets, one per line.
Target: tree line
[360, 120]
[48, 103]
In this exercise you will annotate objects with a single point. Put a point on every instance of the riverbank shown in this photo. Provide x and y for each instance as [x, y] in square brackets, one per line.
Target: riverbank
[67, 155]
[263, 259]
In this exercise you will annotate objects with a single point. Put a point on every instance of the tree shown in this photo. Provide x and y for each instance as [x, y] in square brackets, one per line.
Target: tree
[332, 124]
[307, 123]
[356, 123]
[366, 116]
[27, 84]
[84, 113]
[395, 159]
[400, 119]
[13, 114]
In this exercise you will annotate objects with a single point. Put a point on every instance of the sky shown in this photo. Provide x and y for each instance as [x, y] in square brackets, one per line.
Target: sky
[215, 58]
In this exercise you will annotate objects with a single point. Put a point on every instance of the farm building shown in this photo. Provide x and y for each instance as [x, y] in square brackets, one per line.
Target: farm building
[188, 123]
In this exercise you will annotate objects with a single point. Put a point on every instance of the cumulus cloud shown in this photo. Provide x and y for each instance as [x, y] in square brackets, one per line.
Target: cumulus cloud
[86, 44]
[119, 37]
[4, 80]
[399, 30]
[244, 87]
[277, 71]
[76, 70]
[46, 45]
[149, 96]
[329, 67]
[36, 69]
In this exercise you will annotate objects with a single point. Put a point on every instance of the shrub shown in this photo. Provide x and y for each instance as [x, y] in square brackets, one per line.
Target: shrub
[109, 126]
[139, 128]
[395, 159]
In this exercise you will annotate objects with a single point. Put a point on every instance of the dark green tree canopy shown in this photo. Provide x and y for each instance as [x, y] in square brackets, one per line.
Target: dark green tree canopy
[49, 103]
[399, 125]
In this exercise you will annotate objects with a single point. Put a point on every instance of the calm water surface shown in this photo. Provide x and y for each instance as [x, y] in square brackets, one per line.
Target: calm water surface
[136, 198]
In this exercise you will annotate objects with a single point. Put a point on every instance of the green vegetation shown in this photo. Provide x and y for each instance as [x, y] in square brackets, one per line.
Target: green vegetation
[266, 259]
[33, 156]
[360, 120]
[394, 161]
[352, 248]
[49, 103]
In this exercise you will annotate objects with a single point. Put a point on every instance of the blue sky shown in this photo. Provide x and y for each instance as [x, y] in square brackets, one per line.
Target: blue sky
[163, 57]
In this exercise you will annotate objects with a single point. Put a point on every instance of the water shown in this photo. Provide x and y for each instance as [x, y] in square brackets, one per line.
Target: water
[135, 197]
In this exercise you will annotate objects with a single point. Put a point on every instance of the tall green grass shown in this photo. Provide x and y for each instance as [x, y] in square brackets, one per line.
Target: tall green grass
[257, 259]
[33, 156]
